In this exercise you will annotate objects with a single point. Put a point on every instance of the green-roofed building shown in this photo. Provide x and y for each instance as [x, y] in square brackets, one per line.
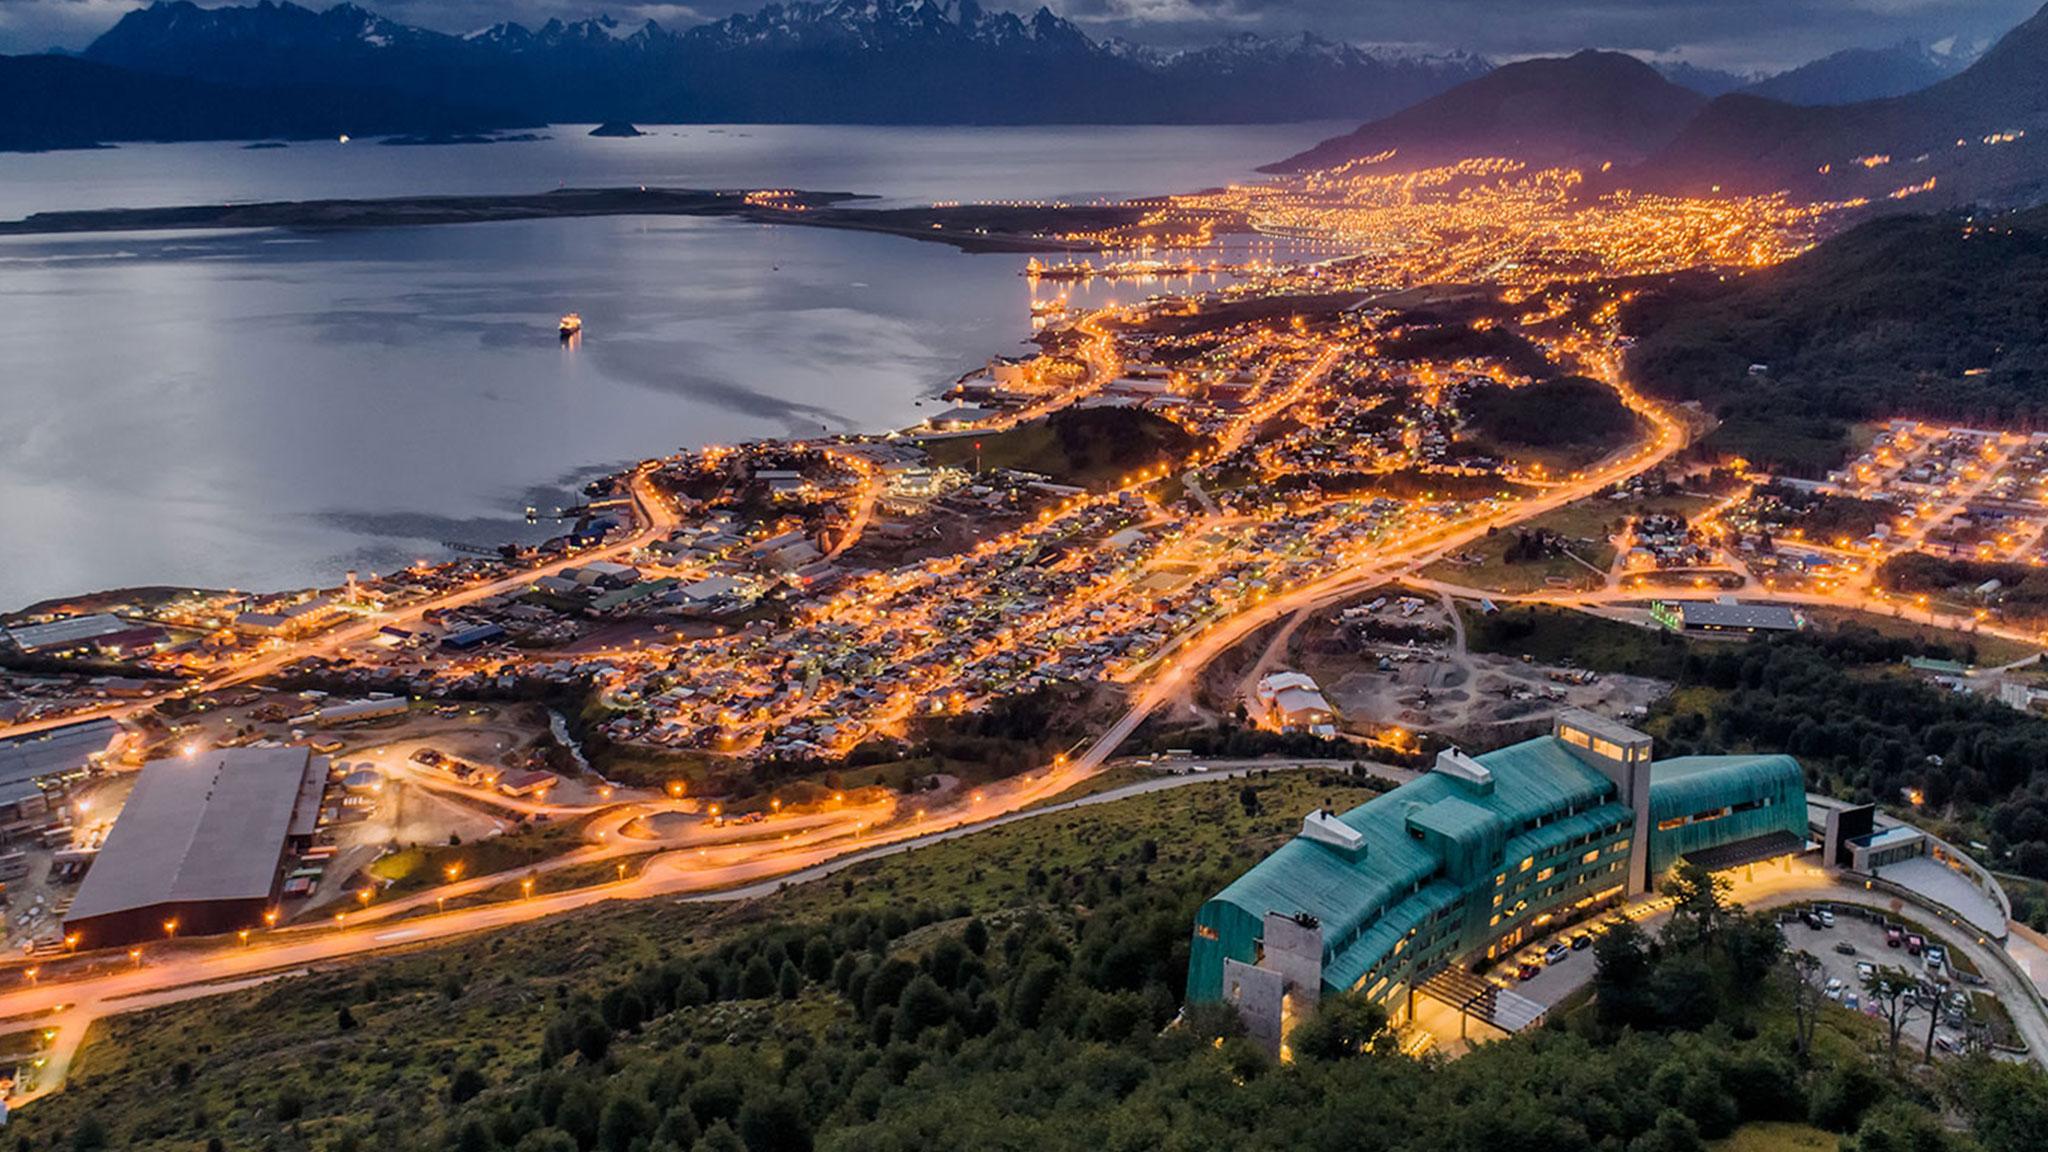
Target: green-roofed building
[1475, 859]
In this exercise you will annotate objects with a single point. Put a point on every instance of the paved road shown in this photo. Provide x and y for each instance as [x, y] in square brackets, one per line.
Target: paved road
[740, 870]
[707, 871]
[1763, 887]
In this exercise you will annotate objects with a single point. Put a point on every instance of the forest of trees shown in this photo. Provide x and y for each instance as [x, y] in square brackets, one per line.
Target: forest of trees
[1865, 730]
[865, 1017]
[1461, 341]
[1569, 412]
[1943, 317]
[1054, 1029]
[2022, 590]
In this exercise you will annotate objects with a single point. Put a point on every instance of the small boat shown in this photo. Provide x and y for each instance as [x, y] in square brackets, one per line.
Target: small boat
[572, 325]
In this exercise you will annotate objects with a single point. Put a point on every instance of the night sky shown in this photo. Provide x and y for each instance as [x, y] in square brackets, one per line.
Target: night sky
[1743, 35]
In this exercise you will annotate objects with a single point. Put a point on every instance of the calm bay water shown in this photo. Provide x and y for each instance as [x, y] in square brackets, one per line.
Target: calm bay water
[268, 409]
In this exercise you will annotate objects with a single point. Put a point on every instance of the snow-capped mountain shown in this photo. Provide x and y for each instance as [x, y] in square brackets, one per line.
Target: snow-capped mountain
[873, 61]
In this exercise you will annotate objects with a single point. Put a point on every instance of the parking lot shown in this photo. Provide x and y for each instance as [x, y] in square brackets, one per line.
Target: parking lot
[1841, 946]
[1852, 941]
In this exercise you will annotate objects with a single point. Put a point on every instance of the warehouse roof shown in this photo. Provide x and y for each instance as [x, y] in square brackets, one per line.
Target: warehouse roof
[67, 631]
[54, 752]
[1714, 614]
[200, 828]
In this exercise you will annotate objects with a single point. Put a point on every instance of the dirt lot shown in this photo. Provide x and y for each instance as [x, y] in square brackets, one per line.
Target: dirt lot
[1406, 664]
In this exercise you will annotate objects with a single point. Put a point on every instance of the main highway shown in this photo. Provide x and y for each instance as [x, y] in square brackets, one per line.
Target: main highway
[707, 867]
[811, 848]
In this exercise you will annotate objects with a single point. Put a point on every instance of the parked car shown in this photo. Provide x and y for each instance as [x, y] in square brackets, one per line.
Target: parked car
[1894, 935]
[1827, 917]
[1865, 970]
[1556, 952]
[1582, 940]
[1935, 956]
[1850, 1001]
[1845, 948]
[1527, 971]
[1914, 943]
[1834, 989]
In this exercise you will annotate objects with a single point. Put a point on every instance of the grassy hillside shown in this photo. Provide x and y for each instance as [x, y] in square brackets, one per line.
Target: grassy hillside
[1009, 991]
[1943, 317]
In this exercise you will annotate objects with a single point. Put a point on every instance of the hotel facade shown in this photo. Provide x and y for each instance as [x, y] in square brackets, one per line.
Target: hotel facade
[1477, 858]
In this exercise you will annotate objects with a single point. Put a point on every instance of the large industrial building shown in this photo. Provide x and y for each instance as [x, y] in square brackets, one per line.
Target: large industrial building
[198, 847]
[1473, 860]
[98, 634]
[35, 770]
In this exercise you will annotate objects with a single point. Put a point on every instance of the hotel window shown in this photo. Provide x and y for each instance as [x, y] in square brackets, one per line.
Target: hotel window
[1546, 874]
[1524, 865]
[1496, 899]
[1206, 932]
[1589, 857]
[1668, 825]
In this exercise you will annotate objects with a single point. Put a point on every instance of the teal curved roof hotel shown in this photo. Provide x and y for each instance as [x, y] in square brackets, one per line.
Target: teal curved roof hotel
[1477, 857]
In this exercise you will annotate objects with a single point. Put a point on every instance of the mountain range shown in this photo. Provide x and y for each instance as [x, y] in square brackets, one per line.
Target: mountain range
[1979, 135]
[61, 102]
[175, 70]
[1592, 107]
[811, 61]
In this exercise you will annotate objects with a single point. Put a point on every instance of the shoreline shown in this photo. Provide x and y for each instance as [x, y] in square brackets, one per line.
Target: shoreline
[970, 228]
[970, 234]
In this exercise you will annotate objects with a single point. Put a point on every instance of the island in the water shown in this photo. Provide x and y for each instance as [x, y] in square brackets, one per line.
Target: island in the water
[974, 228]
[618, 128]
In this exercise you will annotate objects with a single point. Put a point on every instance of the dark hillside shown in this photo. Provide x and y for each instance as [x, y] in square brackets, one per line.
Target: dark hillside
[1936, 316]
